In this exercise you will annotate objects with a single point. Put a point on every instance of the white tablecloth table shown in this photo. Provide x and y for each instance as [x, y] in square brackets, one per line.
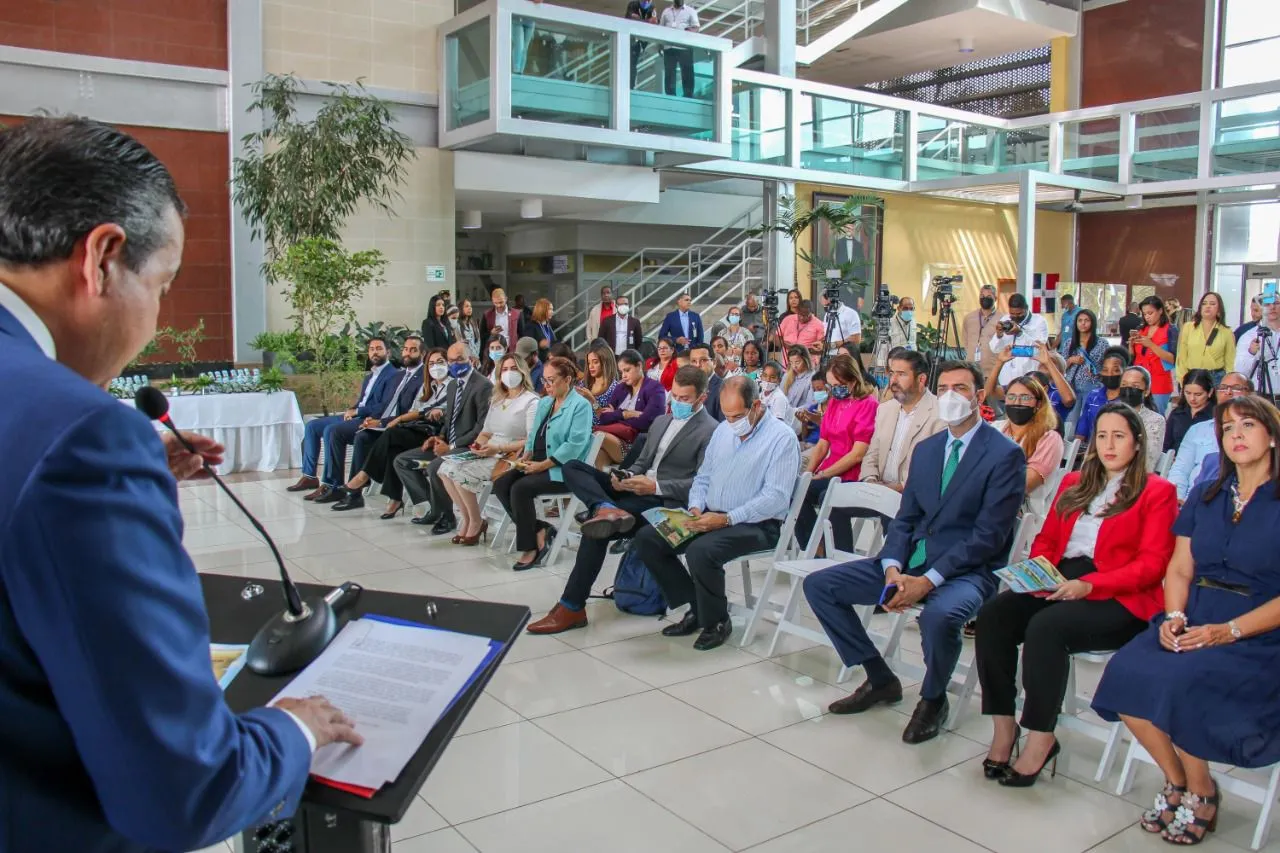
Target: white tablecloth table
[261, 431]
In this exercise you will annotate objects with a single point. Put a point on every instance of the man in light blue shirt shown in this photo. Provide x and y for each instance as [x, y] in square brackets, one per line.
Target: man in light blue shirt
[1201, 440]
[953, 529]
[740, 496]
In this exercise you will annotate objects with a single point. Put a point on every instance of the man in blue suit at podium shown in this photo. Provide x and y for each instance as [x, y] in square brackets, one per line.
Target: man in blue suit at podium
[116, 737]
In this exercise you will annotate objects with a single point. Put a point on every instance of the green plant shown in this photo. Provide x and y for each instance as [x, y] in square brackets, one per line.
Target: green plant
[394, 335]
[200, 384]
[794, 218]
[304, 178]
[271, 380]
[927, 336]
[151, 349]
[184, 341]
[323, 282]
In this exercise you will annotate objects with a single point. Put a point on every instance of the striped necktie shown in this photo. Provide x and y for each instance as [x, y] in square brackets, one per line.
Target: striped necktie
[948, 471]
[457, 407]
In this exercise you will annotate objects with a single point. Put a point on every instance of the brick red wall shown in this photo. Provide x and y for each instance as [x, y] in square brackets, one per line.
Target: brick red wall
[1126, 246]
[177, 32]
[1141, 49]
[201, 167]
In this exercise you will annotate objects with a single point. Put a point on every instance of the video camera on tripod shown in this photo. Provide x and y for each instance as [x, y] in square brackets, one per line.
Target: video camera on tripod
[885, 302]
[943, 290]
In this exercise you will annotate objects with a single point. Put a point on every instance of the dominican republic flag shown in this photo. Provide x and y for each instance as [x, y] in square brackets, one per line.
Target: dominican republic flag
[1044, 293]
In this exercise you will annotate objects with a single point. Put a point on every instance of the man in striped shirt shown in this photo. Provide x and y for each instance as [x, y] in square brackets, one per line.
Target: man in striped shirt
[740, 496]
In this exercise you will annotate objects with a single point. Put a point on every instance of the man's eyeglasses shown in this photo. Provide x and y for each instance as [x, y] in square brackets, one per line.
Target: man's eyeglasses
[1234, 390]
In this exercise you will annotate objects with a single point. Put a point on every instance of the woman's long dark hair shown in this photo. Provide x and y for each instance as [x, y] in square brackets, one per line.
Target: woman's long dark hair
[1157, 303]
[1094, 476]
[1197, 376]
[1222, 309]
[441, 321]
[1076, 343]
[1249, 406]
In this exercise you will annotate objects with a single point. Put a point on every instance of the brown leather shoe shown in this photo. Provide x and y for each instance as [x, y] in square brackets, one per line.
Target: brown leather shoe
[304, 484]
[607, 522]
[560, 619]
[867, 697]
[318, 493]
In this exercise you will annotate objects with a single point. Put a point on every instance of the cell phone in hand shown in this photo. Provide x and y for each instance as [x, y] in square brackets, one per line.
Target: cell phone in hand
[622, 473]
[1024, 352]
[890, 591]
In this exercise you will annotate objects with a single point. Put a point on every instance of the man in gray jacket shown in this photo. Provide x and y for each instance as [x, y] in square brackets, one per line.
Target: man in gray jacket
[662, 476]
[466, 404]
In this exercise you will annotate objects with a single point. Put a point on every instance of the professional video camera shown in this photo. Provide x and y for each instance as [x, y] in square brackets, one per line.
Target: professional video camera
[769, 301]
[885, 303]
[944, 293]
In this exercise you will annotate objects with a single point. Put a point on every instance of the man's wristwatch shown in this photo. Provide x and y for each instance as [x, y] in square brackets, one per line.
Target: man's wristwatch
[1236, 633]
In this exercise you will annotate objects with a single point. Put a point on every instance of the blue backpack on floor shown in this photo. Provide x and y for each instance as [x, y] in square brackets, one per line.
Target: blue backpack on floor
[634, 590]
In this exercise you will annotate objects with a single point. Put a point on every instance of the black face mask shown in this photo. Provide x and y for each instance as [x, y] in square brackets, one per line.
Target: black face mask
[987, 303]
[1111, 383]
[1133, 397]
[1020, 415]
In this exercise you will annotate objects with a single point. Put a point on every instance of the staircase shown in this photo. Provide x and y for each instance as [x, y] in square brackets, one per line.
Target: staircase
[716, 273]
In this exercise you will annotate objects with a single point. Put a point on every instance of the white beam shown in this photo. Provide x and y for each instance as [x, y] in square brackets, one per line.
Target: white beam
[1026, 232]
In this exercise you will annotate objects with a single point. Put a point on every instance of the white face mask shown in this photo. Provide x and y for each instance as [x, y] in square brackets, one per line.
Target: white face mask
[741, 427]
[624, 310]
[767, 387]
[511, 378]
[438, 371]
[953, 408]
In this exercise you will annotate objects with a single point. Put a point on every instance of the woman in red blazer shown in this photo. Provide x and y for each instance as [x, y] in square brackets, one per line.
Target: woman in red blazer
[1110, 533]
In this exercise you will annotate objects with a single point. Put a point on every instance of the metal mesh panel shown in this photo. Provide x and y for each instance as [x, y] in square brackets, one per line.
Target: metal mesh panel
[1009, 86]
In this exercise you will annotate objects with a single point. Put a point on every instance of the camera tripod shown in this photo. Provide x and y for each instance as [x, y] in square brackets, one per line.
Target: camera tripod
[1261, 373]
[948, 331]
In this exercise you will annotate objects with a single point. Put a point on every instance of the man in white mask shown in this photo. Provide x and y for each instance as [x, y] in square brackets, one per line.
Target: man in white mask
[954, 528]
[620, 331]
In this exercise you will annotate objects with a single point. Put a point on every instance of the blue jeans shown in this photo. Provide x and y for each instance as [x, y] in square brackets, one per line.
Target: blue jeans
[336, 438]
[311, 442]
[833, 593]
[1161, 401]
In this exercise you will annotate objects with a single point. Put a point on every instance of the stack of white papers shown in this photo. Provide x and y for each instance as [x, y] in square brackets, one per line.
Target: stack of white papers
[396, 681]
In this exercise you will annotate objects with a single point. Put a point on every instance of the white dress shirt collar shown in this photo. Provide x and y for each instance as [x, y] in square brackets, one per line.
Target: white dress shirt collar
[21, 311]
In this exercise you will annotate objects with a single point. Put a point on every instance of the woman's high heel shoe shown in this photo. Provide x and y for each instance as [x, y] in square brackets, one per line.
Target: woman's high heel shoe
[1014, 779]
[471, 541]
[999, 769]
[390, 514]
[1153, 819]
[1186, 819]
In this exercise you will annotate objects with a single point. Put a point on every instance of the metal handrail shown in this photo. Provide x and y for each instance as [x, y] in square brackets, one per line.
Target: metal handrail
[617, 270]
[663, 304]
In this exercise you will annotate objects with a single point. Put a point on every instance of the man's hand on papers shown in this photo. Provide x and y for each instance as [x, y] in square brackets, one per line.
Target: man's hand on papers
[326, 722]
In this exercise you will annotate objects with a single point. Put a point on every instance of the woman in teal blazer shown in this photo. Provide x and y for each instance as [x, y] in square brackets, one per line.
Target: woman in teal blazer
[561, 431]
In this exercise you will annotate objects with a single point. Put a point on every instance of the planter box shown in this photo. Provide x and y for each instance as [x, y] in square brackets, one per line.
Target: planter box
[167, 370]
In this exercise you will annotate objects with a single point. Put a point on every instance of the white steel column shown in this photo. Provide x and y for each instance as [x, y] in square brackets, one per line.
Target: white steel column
[779, 252]
[1026, 232]
[780, 59]
[245, 65]
[780, 37]
[1199, 282]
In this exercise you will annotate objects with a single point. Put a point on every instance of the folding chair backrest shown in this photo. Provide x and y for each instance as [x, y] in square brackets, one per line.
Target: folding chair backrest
[1069, 454]
[593, 452]
[786, 545]
[1165, 463]
[1042, 499]
[841, 495]
[1028, 528]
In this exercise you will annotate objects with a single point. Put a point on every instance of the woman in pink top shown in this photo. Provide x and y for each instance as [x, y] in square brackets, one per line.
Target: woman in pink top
[1031, 423]
[843, 438]
[803, 329]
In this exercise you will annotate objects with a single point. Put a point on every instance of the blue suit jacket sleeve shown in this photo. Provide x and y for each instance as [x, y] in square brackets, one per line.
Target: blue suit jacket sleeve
[110, 604]
[384, 387]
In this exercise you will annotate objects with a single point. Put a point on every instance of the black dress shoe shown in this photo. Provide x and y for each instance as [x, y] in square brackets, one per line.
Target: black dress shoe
[867, 697]
[445, 524]
[350, 500]
[684, 627]
[582, 516]
[620, 546]
[714, 636]
[332, 496]
[425, 520]
[926, 720]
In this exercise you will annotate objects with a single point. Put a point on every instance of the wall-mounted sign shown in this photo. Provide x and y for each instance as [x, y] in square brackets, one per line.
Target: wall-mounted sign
[435, 274]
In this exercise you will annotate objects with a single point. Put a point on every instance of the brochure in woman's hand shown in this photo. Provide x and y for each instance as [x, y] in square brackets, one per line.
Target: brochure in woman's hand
[1034, 575]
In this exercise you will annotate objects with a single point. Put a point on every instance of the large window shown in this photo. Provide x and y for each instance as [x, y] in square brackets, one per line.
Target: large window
[1250, 40]
[1243, 234]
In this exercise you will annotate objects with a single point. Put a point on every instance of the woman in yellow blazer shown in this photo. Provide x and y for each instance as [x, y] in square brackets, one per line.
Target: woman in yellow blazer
[1205, 342]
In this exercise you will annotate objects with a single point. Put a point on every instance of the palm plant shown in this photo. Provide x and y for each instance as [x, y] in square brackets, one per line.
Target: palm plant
[794, 218]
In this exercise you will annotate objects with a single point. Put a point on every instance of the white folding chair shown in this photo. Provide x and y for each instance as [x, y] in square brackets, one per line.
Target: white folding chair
[568, 505]
[1263, 795]
[1109, 734]
[867, 496]
[1069, 453]
[787, 547]
[1041, 500]
[1165, 463]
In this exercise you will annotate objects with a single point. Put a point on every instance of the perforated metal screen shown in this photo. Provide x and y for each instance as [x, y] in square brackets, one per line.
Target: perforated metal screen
[1009, 86]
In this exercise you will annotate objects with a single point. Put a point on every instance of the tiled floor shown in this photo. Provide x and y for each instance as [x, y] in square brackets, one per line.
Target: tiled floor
[615, 738]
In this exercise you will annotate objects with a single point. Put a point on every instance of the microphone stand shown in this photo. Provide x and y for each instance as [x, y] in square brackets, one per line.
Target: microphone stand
[298, 634]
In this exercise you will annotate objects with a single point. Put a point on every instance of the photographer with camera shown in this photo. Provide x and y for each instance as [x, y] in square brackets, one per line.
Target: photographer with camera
[1259, 344]
[1019, 330]
[844, 324]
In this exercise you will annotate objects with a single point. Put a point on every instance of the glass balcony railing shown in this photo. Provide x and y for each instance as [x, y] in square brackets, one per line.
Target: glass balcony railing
[515, 68]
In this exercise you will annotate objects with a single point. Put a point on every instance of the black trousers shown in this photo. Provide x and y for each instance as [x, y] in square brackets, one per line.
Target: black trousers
[673, 57]
[379, 464]
[703, 582]
[637, 53]
[1049, 632]
[593, 488]
[516, 492]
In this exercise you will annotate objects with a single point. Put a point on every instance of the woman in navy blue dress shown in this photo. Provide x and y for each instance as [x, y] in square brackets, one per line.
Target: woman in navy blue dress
[1198, 685]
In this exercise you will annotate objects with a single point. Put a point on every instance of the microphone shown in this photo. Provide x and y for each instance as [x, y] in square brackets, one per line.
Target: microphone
[298, 634]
